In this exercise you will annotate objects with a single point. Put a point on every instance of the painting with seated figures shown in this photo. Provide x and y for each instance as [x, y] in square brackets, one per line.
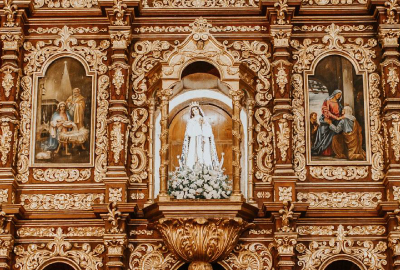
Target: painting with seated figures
[63, 126]
[336, 109]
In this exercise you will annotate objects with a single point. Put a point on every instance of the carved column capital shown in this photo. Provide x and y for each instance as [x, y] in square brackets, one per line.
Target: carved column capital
[284, 243]
[120, 37]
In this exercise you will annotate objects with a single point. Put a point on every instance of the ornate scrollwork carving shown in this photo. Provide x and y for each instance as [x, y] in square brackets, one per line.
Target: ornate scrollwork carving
[8, 80]
[61, 175]
[219, 237]
[115, 194]
[340, 199]
[394, 134]
[3, 195]
[117, 141]
[329, 230]
[101, 129]
[283, 136]
[51, 231]
[5, 141]
[74, 30]
[36, 255]
[299, 143]
[138, 138]
[333, 173]
[256, 56]
[373, 256]
[61, 201]
[375, 127]
[65, 3]
[188, 29]
[114, 217]
[265, 149]
[333, 2]
[356, 48]
[344, 28]
[146, 54]
[150, 256]
[200, 4]
[249, 256]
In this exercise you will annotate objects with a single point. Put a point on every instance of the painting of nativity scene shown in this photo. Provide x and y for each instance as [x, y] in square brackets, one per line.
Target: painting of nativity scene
[63, 116]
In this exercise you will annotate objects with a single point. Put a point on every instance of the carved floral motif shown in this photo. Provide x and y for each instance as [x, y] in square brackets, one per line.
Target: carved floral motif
[141, 232]
[285, 194]
[61, 175]
[115, 194]
[65, 3]
[10, 10]
[332, 2]
[391, 11]
[393, 79]
[5, 141]
[334, 173]
[249, 256]
[51, 231]
[394, 134]
[74, 30]
[200, 3]
[260, 232]
[117, 141]
[3, 195]
[344, 28]
[118, 80]
[263, 195]
[60, 201]
[8, 81]
[329, 230]
[340, 199]
[36, 255]
[151, 256]
[283, 136]
[373, 256]
[188, 29]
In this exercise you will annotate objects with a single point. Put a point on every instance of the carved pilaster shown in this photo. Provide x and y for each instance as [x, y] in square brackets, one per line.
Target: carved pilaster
[164, 96]
[115, 238]
[389, 32]
[284, 242]
[119, 122]
[236, 98]
[12, 37]
[281, 31]
[394, 245]
[250, 114]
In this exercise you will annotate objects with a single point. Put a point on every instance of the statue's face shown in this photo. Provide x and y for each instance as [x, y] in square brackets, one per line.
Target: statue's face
[195, 111]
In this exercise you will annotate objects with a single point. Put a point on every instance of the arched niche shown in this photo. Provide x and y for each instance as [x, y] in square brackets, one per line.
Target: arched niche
[336, 72]
[342, 262]
[59, 264]
[67, 137]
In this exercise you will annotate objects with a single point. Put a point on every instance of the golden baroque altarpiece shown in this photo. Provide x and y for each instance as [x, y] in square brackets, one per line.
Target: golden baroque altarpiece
[86, 187]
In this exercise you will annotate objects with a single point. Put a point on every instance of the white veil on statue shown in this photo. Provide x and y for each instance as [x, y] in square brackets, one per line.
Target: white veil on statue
[199, 145]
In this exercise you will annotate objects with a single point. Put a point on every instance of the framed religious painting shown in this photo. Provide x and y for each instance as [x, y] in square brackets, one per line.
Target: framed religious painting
[337, 113]
[63, 115]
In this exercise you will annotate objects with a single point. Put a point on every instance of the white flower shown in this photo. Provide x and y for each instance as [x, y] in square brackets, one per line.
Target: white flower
[192, 191]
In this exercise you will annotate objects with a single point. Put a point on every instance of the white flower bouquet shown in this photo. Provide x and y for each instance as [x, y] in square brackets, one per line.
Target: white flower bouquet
[201, 182]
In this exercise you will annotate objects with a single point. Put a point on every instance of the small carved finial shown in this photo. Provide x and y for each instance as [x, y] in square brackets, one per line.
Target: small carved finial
[10, 10]
[287, 216]
[119, 11]
[281, 8]
[391, 10]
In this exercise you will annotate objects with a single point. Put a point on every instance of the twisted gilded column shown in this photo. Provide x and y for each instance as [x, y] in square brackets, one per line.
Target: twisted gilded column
[164, 96]
[237, 96]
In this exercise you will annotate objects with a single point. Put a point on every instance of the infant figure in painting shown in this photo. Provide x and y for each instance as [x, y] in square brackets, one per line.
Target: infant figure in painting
[199, 145]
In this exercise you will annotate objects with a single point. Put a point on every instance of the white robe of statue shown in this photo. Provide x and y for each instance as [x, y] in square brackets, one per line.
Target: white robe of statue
[199, 145]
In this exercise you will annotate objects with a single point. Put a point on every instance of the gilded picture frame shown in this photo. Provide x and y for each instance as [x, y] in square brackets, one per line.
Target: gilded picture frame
[75, 139]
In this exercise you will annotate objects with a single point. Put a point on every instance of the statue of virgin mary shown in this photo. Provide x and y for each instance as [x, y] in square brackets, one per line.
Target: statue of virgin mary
[199, 145]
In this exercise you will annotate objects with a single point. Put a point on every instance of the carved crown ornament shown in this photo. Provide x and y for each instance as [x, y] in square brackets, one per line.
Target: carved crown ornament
[365, 253]
[200, 45]
[361, 53]
[79, 256]
[40, 55]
